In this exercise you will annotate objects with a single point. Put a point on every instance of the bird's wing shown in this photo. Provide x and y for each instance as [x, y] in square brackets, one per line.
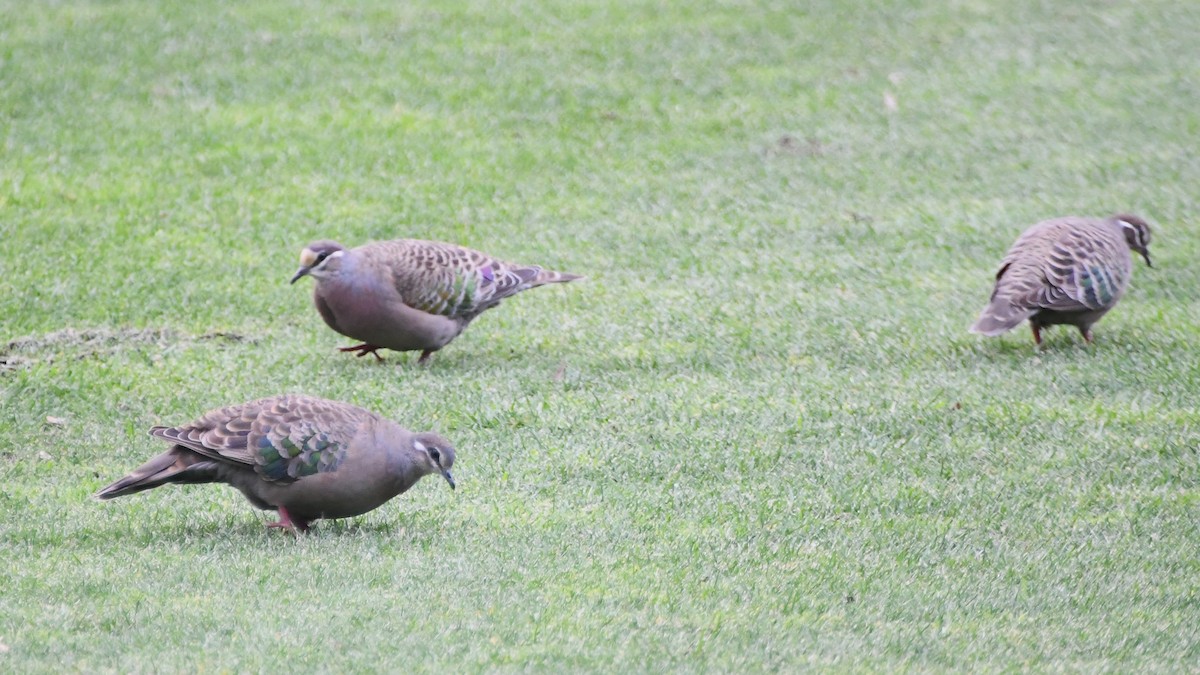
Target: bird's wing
[449, 280]
[1081, 269]
[283, 438]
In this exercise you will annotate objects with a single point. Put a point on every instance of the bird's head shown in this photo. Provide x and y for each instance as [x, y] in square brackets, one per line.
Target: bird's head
[436, 454]
[320, 259]
[1137, 234]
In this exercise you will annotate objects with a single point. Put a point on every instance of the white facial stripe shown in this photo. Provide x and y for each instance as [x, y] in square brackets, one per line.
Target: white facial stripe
[1139, 234]
[325, 263]
[419, 445]
[319, 266]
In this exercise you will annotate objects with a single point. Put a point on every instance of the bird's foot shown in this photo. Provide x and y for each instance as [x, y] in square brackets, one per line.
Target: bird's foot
[288, 522]
[363, 349]
[424, 360]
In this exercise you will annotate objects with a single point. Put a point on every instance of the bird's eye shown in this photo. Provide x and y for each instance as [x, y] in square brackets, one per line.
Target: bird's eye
[321, 257]
[435, 455]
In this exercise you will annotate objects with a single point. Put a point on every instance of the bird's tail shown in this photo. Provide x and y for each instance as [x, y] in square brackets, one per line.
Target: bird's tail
[999, 317]
[551, 277]
[177, 465]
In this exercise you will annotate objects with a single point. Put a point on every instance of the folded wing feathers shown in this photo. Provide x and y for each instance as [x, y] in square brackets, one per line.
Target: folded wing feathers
[1063, 265]
[302, 436]
[1088, 268]
[455, 281]
[287, 452]
[284, 438]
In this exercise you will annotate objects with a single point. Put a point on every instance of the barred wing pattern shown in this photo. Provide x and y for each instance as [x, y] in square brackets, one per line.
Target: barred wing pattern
[1061, 265]
[284, 438]
[1075, 268]
[454, 281]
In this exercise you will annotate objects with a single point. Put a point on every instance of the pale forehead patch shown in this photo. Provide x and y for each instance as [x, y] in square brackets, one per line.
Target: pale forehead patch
[308, 257]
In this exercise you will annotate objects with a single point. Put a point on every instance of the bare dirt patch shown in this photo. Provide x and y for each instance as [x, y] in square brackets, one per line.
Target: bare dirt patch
[791, 146]
[77, 344]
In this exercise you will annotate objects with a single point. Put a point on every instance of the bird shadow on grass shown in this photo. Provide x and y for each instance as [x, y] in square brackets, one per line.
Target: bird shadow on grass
[1009, 346]
[1062, 347]
[233, 530]
[564, 368]
[398, 361]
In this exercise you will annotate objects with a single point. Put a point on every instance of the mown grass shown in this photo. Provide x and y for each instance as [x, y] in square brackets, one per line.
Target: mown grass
[758, 437]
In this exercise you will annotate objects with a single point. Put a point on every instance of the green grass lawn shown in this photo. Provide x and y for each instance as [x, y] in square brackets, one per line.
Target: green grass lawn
[757, 438]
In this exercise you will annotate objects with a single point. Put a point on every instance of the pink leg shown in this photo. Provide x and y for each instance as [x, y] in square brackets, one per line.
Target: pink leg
[363, 350]
[287, 522]
[1037, 334]
[424, 360]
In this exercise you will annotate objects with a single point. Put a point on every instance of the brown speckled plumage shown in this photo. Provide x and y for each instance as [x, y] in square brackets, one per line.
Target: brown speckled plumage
[1065, 271]
[410, 294]
[305, 457]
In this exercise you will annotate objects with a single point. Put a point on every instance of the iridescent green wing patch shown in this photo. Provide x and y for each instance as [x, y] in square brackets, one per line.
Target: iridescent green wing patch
[453, 295]
[1099, 285]
[286, 452]
[462, 294]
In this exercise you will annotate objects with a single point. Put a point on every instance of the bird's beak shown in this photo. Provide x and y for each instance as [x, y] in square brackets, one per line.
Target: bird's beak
[1146, 255]
[448, 477]
[303, 271]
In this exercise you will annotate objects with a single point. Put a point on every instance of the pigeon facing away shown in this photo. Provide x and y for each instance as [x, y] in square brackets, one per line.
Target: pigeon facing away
[302, 456]
[1065, 271]
[409, 294]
